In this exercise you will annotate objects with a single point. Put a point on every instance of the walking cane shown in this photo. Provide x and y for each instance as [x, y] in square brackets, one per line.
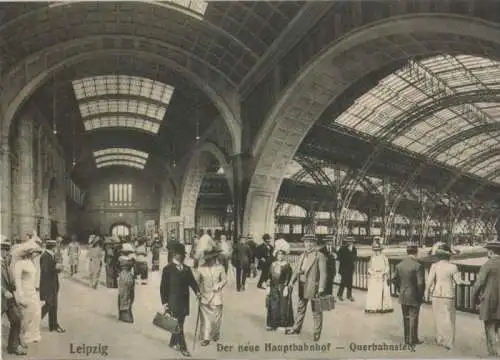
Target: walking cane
[196, 326]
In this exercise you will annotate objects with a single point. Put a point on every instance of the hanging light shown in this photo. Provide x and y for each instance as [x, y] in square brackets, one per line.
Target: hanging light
[54, 103]
[197, 124]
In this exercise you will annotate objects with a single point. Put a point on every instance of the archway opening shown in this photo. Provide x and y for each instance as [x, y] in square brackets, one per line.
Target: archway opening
[207, 193]
[119, 230]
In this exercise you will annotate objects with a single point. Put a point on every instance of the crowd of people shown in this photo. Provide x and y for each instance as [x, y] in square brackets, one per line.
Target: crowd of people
[30, 283]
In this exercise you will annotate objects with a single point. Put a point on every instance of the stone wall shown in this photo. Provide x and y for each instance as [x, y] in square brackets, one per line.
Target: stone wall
[37, 186]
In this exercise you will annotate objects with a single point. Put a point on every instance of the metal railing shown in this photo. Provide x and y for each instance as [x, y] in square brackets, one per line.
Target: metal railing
[463, 293]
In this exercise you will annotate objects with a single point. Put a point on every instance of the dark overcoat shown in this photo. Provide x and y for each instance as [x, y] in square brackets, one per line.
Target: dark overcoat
[174, 288]
[242, 255]
[347, 260]
[486, 290]
[409, 279]
[49, 277]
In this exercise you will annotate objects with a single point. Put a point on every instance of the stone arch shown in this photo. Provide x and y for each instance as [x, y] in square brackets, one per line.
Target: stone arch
[333, 71]
[36, 69]
[120, 224]
[193, 177]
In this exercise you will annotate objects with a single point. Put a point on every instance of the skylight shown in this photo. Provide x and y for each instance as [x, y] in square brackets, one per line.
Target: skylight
[123, 151]
[120, 156]
[107, 158]
[396, 101]
[122, 101]
[196, 6]
[121, 163]
[123, 121]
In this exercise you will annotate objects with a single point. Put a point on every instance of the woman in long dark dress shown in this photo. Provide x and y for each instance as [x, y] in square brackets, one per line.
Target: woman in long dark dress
[155, 251]
[126, 284]
[279, 302]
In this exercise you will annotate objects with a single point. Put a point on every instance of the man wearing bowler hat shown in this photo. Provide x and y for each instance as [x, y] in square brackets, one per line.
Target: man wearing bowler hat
[311, 274]
[176, 280]
[49, 284]
[486, 291]
[410, 283]
[9, 304]
[347, 259]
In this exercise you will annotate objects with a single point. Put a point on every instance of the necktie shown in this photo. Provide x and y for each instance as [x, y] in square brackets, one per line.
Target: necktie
[179, 267]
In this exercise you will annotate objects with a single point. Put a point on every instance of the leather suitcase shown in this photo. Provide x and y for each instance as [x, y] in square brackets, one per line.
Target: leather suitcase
[323, 303]
[166, 322]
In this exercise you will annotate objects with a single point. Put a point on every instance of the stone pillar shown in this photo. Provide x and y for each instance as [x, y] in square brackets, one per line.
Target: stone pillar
[24, 194]
[240, 169]
[5, 188]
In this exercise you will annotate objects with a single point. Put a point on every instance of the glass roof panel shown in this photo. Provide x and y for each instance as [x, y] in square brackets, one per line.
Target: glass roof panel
[487, 166]
[121, 163]
[120, 157]
[124, 151]
[196, 6]
[96, 107]
[122, 85]
[420, 83]
[122, 121]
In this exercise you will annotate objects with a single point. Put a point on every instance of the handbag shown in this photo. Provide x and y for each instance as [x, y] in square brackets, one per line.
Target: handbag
[323, 303]
[167, 322]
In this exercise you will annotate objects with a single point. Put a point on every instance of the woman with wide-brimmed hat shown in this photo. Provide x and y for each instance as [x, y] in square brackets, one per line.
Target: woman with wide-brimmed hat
[443, 276]
[27, 297]
[211, 279]
[126, 284]
[378, 297]
[278, 299]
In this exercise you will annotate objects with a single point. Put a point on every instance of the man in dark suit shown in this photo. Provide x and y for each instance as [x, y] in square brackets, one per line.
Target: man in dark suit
[486, 290]
[347, 259]
[9, 305]
[176, 280]
[49, 284]
[264, 253]
[410, 283]
[241, 257]
[311, 273]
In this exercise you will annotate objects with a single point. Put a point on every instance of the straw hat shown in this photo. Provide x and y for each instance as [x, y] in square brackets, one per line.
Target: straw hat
[127, 248]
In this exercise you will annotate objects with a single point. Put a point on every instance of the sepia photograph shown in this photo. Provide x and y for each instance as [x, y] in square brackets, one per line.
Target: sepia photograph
[250, 179]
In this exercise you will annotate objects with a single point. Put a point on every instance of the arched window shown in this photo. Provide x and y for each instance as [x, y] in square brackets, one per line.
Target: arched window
[120, 230]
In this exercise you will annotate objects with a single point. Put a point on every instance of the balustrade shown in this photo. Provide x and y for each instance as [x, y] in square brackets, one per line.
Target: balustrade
[463, 293]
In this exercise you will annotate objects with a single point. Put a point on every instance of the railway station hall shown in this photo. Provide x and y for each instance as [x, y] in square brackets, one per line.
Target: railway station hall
[299, 150]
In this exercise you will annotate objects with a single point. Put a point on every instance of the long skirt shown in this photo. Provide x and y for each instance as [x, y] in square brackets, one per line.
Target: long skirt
[155, 266]
[111, 276]
[94, 272]
[141, 268]
[378, 297]
[210, 322]
[126, 295]
[279, 309]
[444, 312]
[31, 318]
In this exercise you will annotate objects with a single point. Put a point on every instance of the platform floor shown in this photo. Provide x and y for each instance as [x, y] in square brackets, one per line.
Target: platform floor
[90, 318]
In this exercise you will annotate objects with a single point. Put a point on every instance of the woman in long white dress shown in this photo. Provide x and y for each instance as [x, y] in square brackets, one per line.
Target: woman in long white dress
[25, 277]
[443, 276]
[378, 298]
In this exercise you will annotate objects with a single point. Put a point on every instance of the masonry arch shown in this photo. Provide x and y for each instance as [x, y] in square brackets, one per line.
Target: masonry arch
[119, 229]
[193, 177]
[35, 70]
[325, 78]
